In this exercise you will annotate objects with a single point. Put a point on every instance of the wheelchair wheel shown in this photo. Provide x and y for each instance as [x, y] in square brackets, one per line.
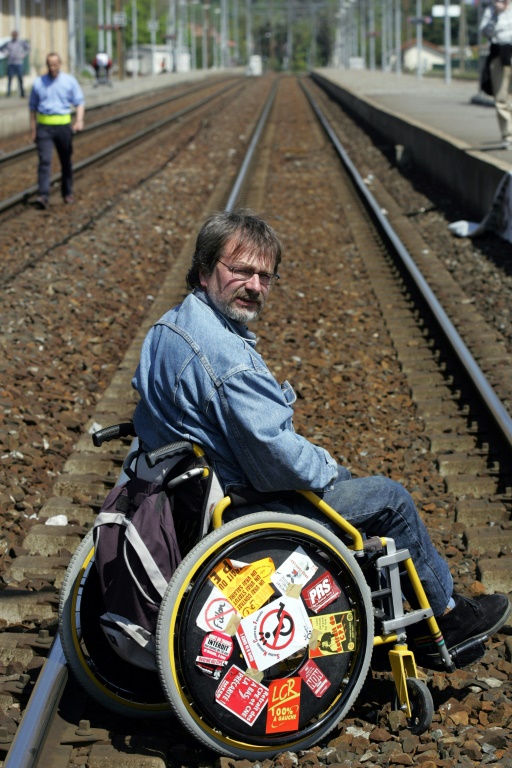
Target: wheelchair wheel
[422, 706]
[111, 681]
[299, 683]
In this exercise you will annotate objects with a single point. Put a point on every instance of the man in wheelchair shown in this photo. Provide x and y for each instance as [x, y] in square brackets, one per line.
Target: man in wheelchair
[201, 379]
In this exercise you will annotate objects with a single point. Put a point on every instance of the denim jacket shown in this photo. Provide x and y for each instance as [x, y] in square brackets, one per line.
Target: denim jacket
[200, 378]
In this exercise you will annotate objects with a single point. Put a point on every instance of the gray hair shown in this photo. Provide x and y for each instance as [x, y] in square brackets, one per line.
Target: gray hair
[249, 233]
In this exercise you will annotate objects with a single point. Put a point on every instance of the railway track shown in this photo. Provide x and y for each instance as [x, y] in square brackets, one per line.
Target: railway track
[378, 386]
[104, 138]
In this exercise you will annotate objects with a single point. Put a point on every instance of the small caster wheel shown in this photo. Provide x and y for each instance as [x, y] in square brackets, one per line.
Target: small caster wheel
[422, 706]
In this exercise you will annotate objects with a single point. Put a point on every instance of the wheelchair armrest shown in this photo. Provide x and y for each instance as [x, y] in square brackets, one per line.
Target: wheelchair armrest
[373, 544]
[246, 496]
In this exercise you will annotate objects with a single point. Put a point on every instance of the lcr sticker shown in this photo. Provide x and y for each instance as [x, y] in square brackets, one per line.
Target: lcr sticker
[283, 705]
[321, 592]
[314, 678]
[241, 695]
[336, 634]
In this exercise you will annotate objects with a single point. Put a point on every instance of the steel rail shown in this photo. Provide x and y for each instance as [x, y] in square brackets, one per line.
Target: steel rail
[29, 739]
[486, 392]
[10, 157]
[23, 196]
[244, 169]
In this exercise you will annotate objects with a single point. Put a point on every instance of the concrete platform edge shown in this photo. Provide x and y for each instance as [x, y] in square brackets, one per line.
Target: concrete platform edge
[469, 175]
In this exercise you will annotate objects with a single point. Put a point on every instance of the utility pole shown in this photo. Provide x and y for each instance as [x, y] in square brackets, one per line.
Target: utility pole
[135, 48]
[71, 36]
[101, 26]
[119, 23]
[204, 55]
[248, 30]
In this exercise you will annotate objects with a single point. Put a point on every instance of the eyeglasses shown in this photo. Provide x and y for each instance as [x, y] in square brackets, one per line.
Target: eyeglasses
[244, 274]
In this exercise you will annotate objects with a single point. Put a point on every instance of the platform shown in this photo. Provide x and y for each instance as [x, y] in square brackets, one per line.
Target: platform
[449, 129]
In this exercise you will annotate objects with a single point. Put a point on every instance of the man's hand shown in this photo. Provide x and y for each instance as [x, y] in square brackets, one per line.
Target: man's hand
[79, 119]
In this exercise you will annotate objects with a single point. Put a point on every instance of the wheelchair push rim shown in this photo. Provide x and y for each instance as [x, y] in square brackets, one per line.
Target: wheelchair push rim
[284, 711]
[111, 681]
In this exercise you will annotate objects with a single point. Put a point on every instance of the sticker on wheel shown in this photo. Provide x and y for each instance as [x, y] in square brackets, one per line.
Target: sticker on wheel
[247, 588]
[210, 666]
[216, 613]
[314, 678]
[283, 705]
[321, 592]
[217, 646]
[297, 569]
[241, 695]
[274, 632]
[333, 633]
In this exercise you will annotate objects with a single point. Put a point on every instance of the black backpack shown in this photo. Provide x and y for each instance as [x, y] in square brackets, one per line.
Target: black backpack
[136, 537]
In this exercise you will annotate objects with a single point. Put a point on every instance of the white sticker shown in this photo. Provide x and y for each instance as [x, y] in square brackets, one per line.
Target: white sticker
[274, 632]
[297, 569]
[216, 612]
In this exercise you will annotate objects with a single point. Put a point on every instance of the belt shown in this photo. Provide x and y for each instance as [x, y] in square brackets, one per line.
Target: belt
[53, 119]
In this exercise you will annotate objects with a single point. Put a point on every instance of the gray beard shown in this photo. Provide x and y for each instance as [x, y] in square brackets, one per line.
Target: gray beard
[240, 315]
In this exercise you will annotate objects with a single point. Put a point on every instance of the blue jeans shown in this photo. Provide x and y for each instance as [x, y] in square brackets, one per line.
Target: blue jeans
[62, 137]
[378, 506]
[15, 70]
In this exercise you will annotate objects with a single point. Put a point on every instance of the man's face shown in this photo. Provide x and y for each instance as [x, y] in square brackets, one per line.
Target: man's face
[53, 66]
[240, 301]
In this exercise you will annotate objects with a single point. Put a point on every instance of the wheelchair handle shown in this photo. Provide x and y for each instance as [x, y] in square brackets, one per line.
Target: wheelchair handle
[126, 429]
[166, 451]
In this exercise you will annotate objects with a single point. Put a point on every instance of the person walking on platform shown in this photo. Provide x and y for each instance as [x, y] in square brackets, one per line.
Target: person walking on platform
[50, 104]
[16, 52]
[496, 25]
[201, 379]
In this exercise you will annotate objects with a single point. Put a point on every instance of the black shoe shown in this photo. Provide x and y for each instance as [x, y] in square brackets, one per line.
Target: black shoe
[464, 629]
[69, 200]
[42, 202]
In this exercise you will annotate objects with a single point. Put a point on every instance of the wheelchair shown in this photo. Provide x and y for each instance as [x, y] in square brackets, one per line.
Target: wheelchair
[266, 631]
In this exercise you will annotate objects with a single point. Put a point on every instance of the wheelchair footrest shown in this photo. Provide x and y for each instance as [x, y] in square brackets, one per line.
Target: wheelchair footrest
[468, 652]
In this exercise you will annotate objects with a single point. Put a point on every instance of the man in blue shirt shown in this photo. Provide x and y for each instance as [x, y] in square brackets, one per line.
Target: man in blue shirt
[52, 97]
[201, 379]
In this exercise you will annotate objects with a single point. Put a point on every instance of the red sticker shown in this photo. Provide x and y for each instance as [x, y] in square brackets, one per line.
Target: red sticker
[314, 678]
[241, 695]
[212, 670]
[321, 592]
[218, 646]
[283, 705]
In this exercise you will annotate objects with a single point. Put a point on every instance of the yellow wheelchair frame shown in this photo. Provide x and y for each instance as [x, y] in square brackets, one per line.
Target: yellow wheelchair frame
[130, 691]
